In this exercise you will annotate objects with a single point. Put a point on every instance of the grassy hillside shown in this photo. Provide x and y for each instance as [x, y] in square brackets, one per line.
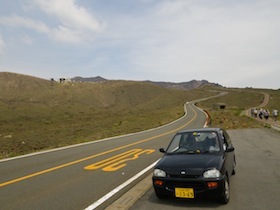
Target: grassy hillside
[37, 114]
[274, 101]
[236, 101]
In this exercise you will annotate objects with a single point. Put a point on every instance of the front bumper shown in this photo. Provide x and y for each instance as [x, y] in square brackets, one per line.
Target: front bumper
[201, 187]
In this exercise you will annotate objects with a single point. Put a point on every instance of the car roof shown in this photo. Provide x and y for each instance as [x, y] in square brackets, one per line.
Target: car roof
[200, 130]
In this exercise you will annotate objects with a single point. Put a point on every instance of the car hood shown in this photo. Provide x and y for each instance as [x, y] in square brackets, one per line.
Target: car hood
[192, 163]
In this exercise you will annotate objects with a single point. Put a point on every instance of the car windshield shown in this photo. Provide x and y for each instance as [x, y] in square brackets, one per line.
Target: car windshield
[194, 142]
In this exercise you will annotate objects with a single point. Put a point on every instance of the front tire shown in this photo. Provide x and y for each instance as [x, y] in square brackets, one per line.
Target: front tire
[224, 199]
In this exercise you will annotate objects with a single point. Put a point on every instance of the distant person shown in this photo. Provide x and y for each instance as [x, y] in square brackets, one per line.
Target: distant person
[252, 112]
[255, 112]
[261, 113]
[266, 114]
[275, 114]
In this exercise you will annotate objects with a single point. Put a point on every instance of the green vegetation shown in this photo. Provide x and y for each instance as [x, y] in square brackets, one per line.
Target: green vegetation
[274, 101]
[39, 114]
[236, 101]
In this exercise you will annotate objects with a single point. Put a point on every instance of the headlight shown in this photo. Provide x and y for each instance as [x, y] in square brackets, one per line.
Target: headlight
[159, 173]
[212, 173]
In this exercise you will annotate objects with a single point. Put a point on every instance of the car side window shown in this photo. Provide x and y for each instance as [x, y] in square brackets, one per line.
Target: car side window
[174, 144]
[225, 139]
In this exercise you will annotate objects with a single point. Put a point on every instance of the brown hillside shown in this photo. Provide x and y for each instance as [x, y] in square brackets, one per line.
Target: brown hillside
[37, 114]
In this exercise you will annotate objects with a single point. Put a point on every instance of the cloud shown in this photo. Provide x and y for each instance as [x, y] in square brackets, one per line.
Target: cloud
[76, 23]
[234, 43]
[181, 40]
[70, 14]
[17, 21]
[73, 24]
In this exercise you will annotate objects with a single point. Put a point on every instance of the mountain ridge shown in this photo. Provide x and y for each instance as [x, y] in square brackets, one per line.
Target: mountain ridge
[193, 84]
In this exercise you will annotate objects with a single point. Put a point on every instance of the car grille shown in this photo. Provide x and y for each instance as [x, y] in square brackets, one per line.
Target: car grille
[183, 176]
[197, 186]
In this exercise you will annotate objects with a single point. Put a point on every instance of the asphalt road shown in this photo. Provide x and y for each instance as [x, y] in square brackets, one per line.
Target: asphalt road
[256, 184]
[76, 177]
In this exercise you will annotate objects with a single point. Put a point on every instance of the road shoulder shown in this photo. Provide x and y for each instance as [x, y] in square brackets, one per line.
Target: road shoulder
[128, 199]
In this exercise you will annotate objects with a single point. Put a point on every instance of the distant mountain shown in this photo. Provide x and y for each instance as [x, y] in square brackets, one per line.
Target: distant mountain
[186, 85]
[171, 85]
[88, 79]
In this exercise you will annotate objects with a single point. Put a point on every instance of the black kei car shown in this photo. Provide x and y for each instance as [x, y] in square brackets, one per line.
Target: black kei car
[197, 162]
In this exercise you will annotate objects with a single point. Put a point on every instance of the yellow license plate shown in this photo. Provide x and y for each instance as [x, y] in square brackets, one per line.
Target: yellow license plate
[184, 192]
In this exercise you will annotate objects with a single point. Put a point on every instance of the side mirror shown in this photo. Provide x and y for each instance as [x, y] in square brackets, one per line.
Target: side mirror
[230, 149]
[162, 150]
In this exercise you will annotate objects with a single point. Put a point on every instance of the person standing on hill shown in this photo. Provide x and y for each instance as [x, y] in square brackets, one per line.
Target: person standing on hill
[255, 112]
[266, 114]
[275, 114]
[261, 113]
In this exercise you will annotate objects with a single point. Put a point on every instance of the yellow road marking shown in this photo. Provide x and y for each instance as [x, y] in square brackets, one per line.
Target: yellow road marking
[94, 156]
[116, 162]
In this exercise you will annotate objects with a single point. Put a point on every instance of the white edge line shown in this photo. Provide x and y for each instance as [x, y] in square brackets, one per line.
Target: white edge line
[206, 123]
[119, 188]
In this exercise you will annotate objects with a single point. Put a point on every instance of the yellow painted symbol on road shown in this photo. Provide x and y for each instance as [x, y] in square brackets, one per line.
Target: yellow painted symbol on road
[116, 162]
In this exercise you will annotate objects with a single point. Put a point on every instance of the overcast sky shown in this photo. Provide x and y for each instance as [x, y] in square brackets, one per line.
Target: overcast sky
[235, 43]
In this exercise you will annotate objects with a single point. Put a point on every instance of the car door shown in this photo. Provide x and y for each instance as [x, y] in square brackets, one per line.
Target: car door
[229, 152]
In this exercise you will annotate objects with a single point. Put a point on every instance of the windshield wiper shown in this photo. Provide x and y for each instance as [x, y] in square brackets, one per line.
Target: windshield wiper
[194, 152]
[186, 152]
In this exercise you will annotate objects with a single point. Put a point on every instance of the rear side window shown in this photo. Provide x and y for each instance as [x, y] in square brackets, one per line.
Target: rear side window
[226, 138]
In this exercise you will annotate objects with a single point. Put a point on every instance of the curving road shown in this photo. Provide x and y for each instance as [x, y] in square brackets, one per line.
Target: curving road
[76, 177]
